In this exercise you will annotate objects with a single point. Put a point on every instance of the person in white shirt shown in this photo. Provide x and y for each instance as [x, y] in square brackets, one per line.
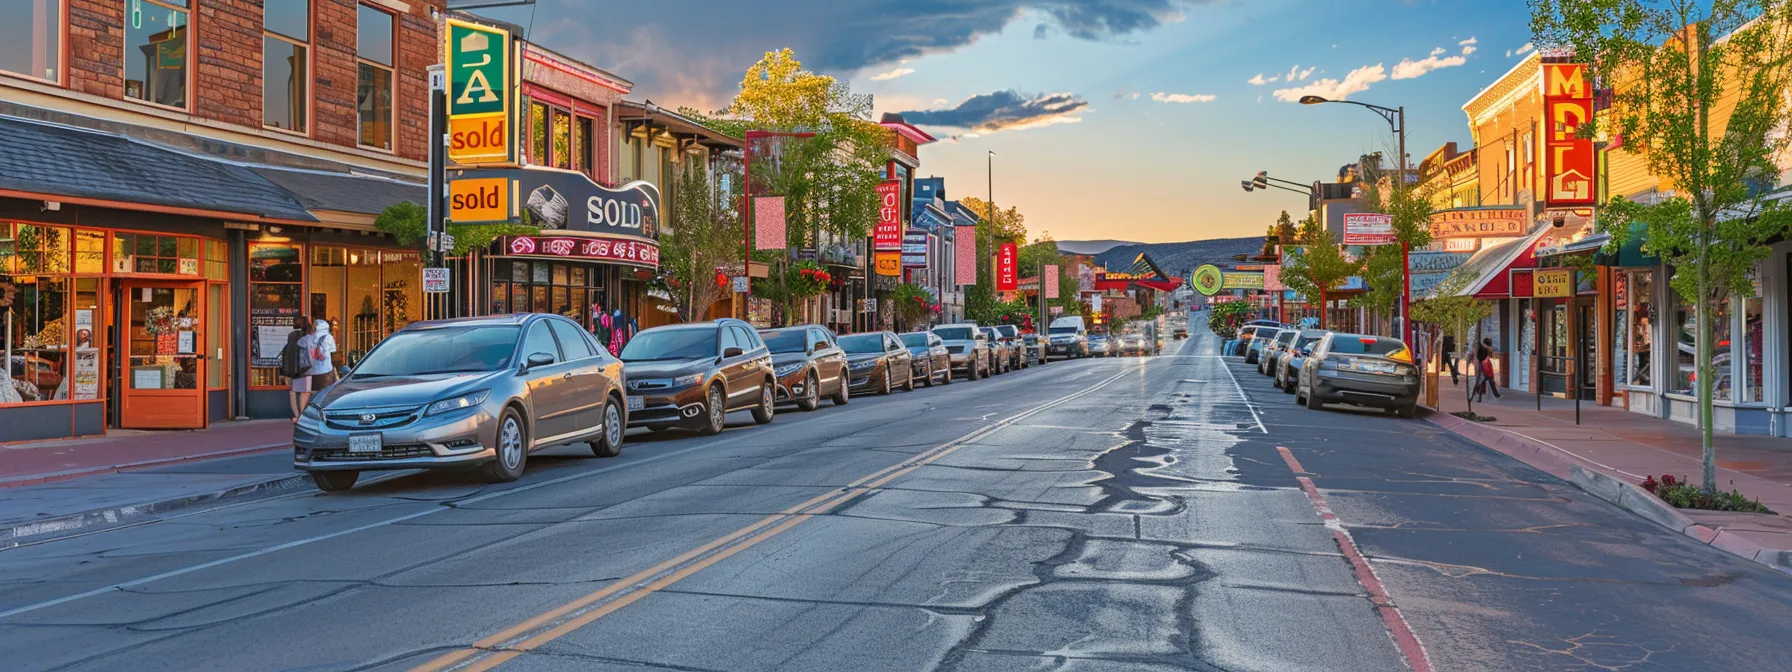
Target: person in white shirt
[323, 347]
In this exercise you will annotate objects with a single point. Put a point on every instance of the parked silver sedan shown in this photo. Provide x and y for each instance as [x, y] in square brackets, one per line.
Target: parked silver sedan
[473, 392]
[931, 359]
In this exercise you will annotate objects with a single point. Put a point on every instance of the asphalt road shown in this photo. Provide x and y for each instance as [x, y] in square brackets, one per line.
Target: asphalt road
[1115, 514]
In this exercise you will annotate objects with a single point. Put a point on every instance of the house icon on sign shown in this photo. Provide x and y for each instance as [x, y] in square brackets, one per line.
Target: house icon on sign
[475, 42]
[1571, 185]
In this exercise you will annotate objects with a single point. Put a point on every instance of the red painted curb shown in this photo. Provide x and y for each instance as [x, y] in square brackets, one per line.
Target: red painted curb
[1405, 640]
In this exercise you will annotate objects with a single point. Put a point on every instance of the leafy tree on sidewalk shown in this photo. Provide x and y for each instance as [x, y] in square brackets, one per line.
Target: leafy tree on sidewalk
[1384, 266]
[1698, 88]
[1316, 264]
[707, 236]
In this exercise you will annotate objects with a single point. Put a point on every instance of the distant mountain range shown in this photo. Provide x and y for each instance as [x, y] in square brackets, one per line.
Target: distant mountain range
[1091, 246]
[1177, 259]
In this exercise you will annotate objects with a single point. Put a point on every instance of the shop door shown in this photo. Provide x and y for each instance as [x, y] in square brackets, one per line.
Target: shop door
[164, 365]
[1587, 366]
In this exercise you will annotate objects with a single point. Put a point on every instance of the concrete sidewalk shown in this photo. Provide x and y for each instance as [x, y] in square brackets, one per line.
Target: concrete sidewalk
[1612, 450]
[54, 488]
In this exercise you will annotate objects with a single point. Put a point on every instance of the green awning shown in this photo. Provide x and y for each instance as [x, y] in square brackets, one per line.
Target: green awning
[1631, 253]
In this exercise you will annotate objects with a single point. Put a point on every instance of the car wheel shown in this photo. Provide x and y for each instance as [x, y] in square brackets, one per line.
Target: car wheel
[886, 386]
[762, 413]
[842, 395]
[930, 374]
[1313, 402]
[609, 442]
[910, 385]
[947, 379]
[513, 450]
[717, 414]
[1408, 411]
[334, 481]
[811, 394]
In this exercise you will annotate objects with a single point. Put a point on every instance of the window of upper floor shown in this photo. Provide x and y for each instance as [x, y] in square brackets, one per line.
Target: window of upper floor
[31, 38]
[374, 60]
[559, 137]
[286, 65]
[157, 60]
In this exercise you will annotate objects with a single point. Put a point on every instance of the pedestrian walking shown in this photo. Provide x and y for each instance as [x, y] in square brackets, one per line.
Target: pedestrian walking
[323, 348]
[295, 365]
[1450, 358]
[1484, 366]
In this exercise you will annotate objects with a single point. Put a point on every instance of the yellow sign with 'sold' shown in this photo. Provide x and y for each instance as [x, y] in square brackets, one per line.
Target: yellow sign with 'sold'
[480, 90]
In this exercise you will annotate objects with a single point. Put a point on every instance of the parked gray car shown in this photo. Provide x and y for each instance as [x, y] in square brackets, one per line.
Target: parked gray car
[931, 359]
[473, 392]
[1359, 369]
[968, 347]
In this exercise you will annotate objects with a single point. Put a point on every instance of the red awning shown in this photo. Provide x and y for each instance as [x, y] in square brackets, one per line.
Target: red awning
[1492, 267]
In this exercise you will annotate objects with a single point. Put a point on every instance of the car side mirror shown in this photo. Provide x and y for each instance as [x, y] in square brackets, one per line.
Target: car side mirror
[540, 359]
[732, 351]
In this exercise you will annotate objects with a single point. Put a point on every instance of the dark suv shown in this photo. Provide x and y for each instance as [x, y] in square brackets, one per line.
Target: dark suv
[692, 375]
[809, 365]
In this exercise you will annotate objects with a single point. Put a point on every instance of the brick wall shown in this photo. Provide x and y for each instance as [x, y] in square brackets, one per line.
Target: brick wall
[96, 47]
[417, 50]
[334, 73]
[227, 78]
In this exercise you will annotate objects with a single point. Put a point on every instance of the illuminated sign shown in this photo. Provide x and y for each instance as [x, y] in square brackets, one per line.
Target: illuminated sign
[888, 234]
[1569, 160]
[1553, 284]
[1362, 228]
[479, 200]
[479, 94]
[1479, 223]
[1208, 280]
[619, 250]
[1007, 267]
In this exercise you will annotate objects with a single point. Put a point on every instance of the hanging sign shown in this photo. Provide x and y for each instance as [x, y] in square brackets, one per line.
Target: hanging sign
[479, 200]
[1007, 268]
[1553, 283]
[549, 198]
[889, 263]
[1236, 280]
[1569, 160]
[1365, 228]
[479, 94]
[435, 280]
[1208, 280]
[888, 234]
[1050, 283]
[623, 251]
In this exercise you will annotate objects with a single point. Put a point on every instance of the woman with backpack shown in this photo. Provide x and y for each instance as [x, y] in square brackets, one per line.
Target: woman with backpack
[323, 349]
[295, 365]
[1484, 364]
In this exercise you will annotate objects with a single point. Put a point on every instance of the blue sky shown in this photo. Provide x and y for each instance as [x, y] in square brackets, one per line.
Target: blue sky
[1126, 119]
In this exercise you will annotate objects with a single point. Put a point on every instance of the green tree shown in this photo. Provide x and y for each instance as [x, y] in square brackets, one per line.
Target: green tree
[1450, 309]
[1316, 264]
[707, 236]
[1384, 266]
[1674, 67]
[981, 302]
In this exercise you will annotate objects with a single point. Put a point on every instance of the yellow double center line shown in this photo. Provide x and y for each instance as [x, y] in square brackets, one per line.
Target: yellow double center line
[518, 639]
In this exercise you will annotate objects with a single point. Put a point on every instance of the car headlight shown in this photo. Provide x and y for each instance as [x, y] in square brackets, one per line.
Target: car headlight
[788, 369]
[458, 403]
[687, 381]
[311, 411]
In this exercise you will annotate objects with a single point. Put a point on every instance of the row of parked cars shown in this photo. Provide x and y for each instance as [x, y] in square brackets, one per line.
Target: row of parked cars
[1322, 367]
[484, 392]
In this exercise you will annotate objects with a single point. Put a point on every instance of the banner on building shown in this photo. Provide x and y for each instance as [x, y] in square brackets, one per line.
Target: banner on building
[1007, 267]
[888, 234]
[1493, 222]
[768, 223]
[479, 74]
[643, 253]
[1272, 278]
[1239, 280]
[567, 200]
[1366, 228]
[1569, 160]
[1050, 283]
[965, 253]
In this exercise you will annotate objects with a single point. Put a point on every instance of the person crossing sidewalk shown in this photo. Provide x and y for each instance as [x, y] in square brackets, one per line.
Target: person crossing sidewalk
[1484, 368]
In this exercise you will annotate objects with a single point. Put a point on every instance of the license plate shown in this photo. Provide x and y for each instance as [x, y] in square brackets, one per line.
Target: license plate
[1375, 367]
[364, 443]
[636, 403]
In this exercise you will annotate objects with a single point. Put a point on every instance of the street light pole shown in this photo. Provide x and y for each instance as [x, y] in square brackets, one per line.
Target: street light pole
[1396, 118]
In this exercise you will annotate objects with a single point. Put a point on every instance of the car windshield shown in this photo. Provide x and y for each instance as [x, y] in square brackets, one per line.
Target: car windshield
[915, 340]
[652, 345]
[859, 344]
[955, 333]
[1286, 338]
[443, 350]
[1306, 341]
[1063, 330]
[785, 341]
[1364, 345]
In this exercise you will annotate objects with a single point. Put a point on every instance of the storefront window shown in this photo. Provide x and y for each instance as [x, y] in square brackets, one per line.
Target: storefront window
[1754, 328]
[365, 294]
[1620, 326]
[1720, 329]
[1640, 329]
[275, 272]
[566, 289]
[38, 340]
[150, 253]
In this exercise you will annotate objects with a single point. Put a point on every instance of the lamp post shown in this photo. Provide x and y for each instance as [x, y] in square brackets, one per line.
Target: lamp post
[1396, 118]
[1262, 181]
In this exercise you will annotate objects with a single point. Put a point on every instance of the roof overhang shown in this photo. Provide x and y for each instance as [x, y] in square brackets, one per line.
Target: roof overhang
[634, 114]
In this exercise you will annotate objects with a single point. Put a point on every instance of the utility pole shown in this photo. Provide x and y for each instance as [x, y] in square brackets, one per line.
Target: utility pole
[438, 162]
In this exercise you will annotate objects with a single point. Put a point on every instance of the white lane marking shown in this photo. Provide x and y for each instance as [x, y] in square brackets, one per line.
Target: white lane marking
[710, 445]
[1241, 395]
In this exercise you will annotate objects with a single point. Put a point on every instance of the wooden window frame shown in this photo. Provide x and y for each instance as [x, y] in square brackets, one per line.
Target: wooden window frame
[391, 79]
[310, 46]
[124, 42]
[61, 51]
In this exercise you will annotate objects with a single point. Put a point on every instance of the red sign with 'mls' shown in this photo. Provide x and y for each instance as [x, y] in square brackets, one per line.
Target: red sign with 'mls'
[888, 234]
[1007, 268]
[1570, 161]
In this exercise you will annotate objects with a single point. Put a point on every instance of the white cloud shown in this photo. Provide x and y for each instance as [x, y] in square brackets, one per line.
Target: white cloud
[1183, 97]
[1467, 42]
[1304, 74]
[1293, 73]
[1356, 82]
[1438, 51]
[1259, 99]
[1411, 69]
[1135, 95]
[893, 74]
[1259, 80]
[941, 101]
[1522, 50]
